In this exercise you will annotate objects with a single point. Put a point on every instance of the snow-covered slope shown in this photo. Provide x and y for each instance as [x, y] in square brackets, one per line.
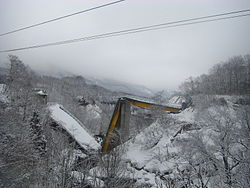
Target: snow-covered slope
[73, 127]
[188, 149]
[187, 142]
[154, 155]
[149, 154]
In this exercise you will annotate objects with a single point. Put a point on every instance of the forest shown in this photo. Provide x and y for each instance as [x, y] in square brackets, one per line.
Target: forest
[206, 145]
[231, 77]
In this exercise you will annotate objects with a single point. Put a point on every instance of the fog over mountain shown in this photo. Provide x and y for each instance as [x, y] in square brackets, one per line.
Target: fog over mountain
[159, 59]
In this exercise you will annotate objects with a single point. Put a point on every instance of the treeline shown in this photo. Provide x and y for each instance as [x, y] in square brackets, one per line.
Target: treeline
[227, 78]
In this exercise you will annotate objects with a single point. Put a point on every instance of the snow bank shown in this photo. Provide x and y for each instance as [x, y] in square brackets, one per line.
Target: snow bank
[73, 127]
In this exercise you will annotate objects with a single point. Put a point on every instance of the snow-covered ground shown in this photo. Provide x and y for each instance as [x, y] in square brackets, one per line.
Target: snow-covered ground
[158, 152]
[187, 115]
[73, 127]
[150, 154]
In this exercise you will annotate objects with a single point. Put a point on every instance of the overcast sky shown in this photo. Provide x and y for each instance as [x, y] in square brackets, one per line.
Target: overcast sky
[159, 59]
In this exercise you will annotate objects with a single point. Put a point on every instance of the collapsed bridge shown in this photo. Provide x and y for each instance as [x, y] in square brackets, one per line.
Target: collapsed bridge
[74, 128]
[118, 131]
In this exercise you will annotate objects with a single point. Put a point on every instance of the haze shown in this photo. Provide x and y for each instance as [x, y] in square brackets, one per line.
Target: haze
[159, 59]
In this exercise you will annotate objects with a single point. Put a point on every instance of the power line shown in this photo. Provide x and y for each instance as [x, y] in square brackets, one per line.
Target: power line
[60, 18]
[179, 23]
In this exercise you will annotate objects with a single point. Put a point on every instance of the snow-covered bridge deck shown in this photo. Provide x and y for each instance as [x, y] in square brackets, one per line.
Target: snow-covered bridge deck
[74, 127]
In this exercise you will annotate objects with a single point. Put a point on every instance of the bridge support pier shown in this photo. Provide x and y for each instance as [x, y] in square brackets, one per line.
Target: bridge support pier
[124, 121]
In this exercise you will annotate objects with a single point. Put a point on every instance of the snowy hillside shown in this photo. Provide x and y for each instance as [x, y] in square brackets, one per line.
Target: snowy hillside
[186, 148]
[202, 146]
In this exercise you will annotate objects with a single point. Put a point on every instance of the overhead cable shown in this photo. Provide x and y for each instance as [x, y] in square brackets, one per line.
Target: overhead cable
[60, 18]
[179, 23]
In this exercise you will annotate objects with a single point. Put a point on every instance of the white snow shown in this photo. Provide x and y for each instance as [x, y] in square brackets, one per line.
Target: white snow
[73, 127]
[93, 111]
[138, 157]
[177, 100]
[152, 152]
[187, 115]
[144, 148]
[2, 88]
[158, 151]
[41, 92]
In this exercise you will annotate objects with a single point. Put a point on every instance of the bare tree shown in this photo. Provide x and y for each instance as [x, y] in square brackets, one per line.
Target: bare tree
[112, 168]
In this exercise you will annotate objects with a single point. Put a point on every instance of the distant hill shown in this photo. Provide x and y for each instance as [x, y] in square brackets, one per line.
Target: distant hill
[112, 85]
[120, 86]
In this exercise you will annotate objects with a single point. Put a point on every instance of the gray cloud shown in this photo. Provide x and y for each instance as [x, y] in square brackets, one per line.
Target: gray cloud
[158, 59]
